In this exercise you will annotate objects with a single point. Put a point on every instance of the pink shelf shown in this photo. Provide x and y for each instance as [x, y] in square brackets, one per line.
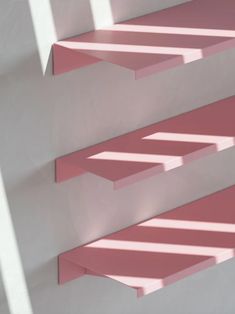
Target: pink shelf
[157, 148]
[162, 250]
[154, 42]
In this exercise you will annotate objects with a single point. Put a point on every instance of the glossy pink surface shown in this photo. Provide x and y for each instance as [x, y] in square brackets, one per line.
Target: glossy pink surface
[162, 250]
[154, 42]
[157, 148]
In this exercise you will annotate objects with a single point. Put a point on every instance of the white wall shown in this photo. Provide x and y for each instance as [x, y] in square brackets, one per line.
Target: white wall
[43, 117]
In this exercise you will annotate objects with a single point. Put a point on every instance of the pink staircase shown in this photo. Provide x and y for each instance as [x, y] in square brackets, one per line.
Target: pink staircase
[157, 148]
[193, 237]
[154, 42]
[162, 250]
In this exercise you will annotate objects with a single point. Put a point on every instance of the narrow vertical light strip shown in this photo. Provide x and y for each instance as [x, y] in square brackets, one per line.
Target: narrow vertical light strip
[10, 262]
[43, 23]
[102, 13]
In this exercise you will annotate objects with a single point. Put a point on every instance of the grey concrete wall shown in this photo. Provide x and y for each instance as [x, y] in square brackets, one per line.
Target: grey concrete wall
[43, 117]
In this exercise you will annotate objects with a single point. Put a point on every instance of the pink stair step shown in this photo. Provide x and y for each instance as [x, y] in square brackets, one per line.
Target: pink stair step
[157, 148]
[154, 42]
[162, 250]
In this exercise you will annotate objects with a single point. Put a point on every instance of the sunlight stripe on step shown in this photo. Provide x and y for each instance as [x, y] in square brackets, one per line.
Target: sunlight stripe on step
[169, 162]
[221, 142]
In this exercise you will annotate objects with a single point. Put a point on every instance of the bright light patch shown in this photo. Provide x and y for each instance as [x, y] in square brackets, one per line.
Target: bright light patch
[102, 13]
[10, 261]
[44, 28]
[189, 225]
[172, 30]
[168, 162]
[220, 254]
[221, 142]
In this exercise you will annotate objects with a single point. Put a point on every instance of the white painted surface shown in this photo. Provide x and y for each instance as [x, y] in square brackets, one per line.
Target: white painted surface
[43, 117]
[12, 273]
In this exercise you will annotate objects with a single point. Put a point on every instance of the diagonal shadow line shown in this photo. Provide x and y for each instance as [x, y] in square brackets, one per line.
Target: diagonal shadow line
[146, 285]
[139, 264]
[188, 54]
[220, 142]
[123, 172]
[164, 248]
[167, 162]
[176, 236]
[147, 153]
